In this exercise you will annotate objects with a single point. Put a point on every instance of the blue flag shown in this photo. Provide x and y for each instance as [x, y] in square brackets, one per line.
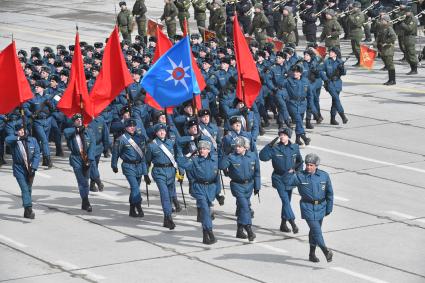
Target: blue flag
[171, 80]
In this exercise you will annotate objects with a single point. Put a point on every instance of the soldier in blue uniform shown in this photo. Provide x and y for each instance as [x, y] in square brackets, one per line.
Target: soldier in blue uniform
[244, 171]
[161, 152]
[228, 145]
[334, 69]
[39, 108]
[203, 167]
[81, 143]
[58, 118]
[286, 159]
[101, 138]
[26, 157]
[299, 90]
[131, 147]
[315, 189]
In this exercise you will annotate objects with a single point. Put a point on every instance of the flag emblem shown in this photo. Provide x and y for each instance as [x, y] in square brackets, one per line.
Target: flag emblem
[178, 73]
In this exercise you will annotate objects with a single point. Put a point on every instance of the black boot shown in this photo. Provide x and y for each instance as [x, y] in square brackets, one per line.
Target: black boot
[220, 199]
[251, 234]
[199, 215]
[106, 154]
[213, 240]
[93, 186]
[308, 124]
[383, 69]
[319, 118]
[140, 212]
[132, 212]
[328, 253]
[305, 139]
[252, 213]
[59, 152]
[402, 59]
[49, 162]
[357, 64]
[334, 121]
[169, 223]
[2, 161]
[28, 213]
[85, 205]
[177, 204]
[284, 227]
[312, 255]
[343, 117]
[205, 237]
[262, 131]
[99, 185]
[391, 78]
[298, 140]
[44, 163]
[413, 70]
[294, 226]
[240, 233]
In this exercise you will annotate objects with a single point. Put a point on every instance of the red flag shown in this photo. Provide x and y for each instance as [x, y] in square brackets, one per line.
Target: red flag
[13, 85]
[184, 27]
[367, 57]
[278, 45]
[76, 98]
[113, 77]
[249, 84]
[152, 26]
[321, 51]
[162, 45]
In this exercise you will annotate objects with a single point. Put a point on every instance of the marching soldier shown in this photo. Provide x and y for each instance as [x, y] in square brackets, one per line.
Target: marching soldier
[203, 168]
[331, 30]
[169, 16]
[125, 21]
[26, 157]
[243, 8]
[315, 189]
[385, 43]
[366, 27]
[217, 20]
[130, 147]
[410, 30]
[139, 12]
[200, 8]
[101, 138]
[81, 143]
[39, 108]
[287, 27]
[183, 14]
[244, 171]
[161, 152]
[286, 159]
[309, 19]
[334, 69]
[355, 21]
[259, 25]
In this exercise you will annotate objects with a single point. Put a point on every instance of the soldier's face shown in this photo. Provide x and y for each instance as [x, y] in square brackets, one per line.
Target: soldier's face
[280, 60]
[283, 138]
[131, 129]
[205, 119]
[126, 115]
[297, 75]
[310, 168]
[53, 84]
[161, 134]
[78, 122]
[21, 132]
[285, 12]
[203, 151]
[328, 17]
[307, 57]
[237, 126]
[193, 130]
[240, 150]
[189, 110]
[162, 119]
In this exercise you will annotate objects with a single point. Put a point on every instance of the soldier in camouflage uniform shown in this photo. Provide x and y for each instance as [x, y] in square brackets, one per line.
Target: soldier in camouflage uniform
[398, 30]
[169, 16]
[200, 7]
[365, 4]
[287, 27]
[410, 29]
[385, 43]
[183, 7]
[139, 12]
[259, 25]
[125, 22]
[331, 30]
[217, 20]
[356, 19]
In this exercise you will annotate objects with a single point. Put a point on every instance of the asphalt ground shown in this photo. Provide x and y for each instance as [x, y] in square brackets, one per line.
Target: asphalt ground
[376, 162]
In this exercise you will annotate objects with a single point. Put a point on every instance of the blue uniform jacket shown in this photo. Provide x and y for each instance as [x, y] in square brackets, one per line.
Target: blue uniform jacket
[133, 164]
[19, 169]
[75, 158]
[313, 187]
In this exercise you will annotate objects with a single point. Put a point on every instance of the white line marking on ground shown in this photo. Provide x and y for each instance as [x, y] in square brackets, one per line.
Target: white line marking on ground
[7, 239]
[358, 275]
[104, 195]
[399, 214]
[367, 159]
[69, 266]
[272, 248]
[340, 198]
[43, 175]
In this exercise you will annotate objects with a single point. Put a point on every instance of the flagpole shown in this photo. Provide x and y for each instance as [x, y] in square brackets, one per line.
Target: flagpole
[248, 128]
[80, 94]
